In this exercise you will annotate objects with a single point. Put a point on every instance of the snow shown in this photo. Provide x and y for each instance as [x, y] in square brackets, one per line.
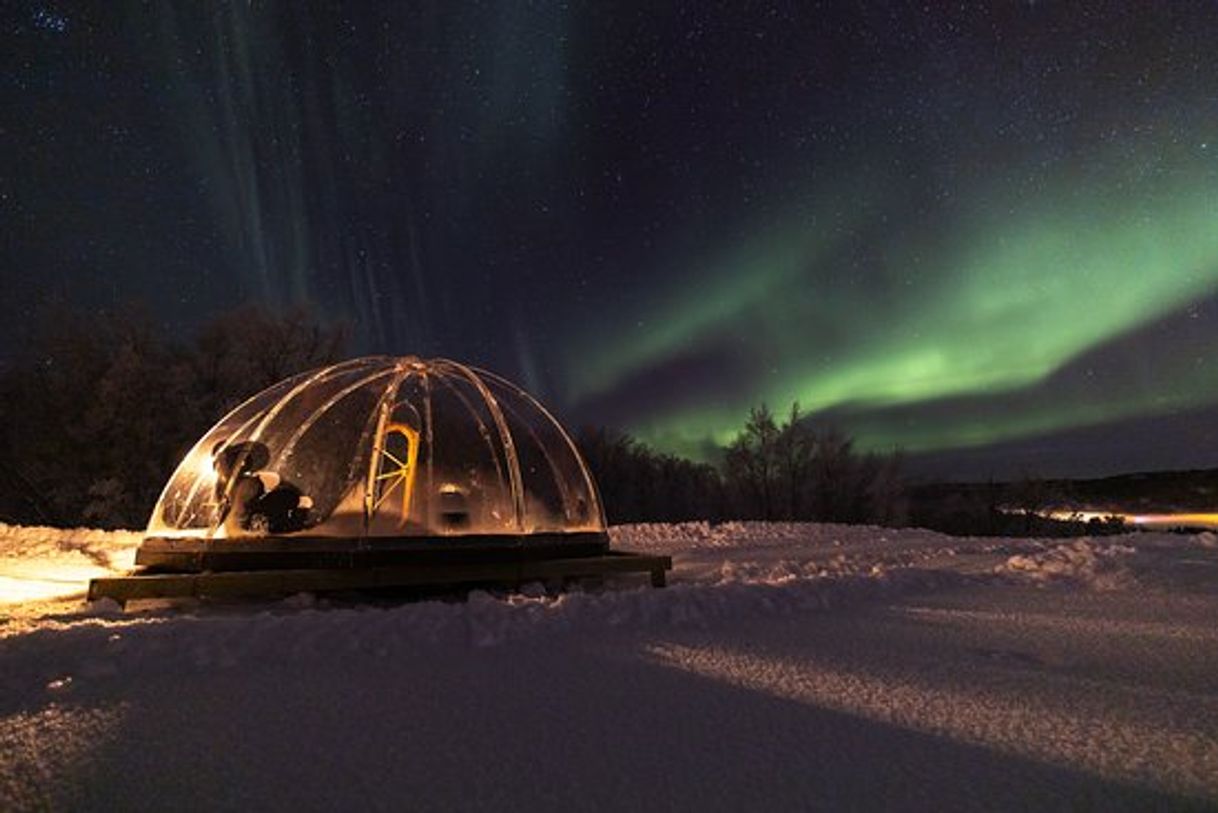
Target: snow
[47, 563]
[1100, 567]
[787, 666]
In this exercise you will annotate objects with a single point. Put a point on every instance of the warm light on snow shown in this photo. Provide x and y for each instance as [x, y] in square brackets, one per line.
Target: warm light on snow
[34, 581]
[41, 564]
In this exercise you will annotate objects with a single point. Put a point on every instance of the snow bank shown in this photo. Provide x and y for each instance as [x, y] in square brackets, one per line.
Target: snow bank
[102, 643]
[113, 550]
[686, 536]
[38, 563]
[1085, 562]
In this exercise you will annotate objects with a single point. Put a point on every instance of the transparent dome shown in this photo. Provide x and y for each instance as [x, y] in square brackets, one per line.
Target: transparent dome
[382, 447]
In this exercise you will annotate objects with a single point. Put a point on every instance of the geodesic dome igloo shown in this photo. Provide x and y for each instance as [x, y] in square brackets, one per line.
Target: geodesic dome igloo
[381, 452]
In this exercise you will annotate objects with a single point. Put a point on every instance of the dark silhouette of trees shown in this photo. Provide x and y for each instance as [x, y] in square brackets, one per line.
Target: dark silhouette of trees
[770, 472]
[796, 451]
[751, 464]
[246, 350]
[640, 485]
[96, 414]
[799, 472]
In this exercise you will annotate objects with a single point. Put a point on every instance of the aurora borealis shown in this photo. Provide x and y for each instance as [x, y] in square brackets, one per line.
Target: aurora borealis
[1013, 302]
[972, 231]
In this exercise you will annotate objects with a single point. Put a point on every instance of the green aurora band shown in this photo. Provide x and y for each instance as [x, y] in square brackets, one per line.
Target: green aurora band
[1009, 293]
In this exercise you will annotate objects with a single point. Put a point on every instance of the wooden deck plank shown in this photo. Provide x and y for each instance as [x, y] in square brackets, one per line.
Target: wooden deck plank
[287, 582]
[193, 555]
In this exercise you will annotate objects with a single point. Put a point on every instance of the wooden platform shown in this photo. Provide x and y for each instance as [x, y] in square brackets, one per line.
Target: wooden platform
[316, 580]
[300, 551]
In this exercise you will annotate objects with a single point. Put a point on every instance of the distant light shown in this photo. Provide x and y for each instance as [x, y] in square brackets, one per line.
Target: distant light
[60, 684]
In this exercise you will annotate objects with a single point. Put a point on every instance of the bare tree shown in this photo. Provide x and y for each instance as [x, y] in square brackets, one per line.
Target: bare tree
[752, 461]
[796, 450]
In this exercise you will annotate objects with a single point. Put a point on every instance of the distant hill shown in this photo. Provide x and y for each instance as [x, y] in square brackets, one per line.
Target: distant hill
[1146, 492]
[996, 508]
[1141, 492]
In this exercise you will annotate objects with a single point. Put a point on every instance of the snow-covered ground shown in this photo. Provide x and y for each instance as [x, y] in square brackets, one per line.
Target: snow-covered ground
[785, 667]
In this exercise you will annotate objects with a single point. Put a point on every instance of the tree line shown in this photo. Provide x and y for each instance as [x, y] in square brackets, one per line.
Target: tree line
[98, 411]
[791, 471]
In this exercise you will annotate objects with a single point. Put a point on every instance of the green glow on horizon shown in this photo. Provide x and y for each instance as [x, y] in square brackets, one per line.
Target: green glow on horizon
[1005, 302]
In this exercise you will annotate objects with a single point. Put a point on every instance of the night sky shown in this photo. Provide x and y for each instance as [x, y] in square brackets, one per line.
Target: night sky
[986, 235]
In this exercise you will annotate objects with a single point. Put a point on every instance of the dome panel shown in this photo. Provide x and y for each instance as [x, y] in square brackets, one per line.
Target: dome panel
[468, 469]
[187, 503]
[554, 472]
[330, 450]
[379, 448]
